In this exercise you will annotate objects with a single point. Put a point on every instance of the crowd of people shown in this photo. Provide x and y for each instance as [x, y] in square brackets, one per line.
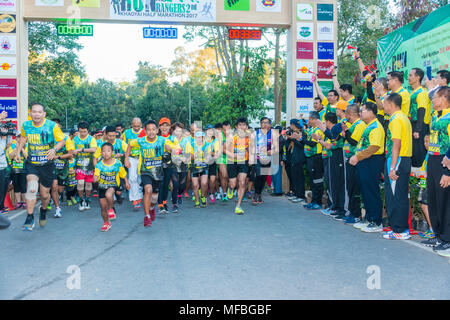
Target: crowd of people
[347, 149]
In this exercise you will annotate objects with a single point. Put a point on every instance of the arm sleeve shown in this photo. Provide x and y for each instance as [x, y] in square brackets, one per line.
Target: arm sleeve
[124, 146]
[93, 143]
[97, 172]
[420, 120]
[98, 153]
[369, 90]
[349, 139]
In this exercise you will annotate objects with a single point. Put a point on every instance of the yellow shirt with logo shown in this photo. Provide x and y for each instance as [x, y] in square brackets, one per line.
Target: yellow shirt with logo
[400, 128]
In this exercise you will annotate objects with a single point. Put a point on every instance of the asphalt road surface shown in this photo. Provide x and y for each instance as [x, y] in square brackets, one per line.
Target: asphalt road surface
[276, 250]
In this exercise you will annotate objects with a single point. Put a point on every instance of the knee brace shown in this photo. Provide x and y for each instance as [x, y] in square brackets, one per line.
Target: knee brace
[88, 186]
[32, 189]
[80, 185]
[154, 198]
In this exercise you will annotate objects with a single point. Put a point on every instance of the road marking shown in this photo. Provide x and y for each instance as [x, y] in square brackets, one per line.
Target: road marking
[20, 212]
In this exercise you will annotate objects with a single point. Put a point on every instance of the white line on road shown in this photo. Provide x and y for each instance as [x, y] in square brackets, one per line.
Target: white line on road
[20, 213]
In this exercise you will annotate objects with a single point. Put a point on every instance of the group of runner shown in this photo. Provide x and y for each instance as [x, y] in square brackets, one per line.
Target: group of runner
[217, 162]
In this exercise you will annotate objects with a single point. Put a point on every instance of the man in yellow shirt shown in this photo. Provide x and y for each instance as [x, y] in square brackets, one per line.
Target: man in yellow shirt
[368, 160]
[420, 115]
[398, 168]
[395, 82]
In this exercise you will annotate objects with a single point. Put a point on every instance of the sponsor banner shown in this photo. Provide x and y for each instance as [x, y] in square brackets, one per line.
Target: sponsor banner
[7, 44]
[325, 86]
[50, 3]
[160, 10]
[302, 69]
[7, 5]
[8, 66]
[241, 5]
[325, 50]
[325, 12]
[268, 5]
[304, 11]
[9, 106]
[304, 106]
[305, 50]
[322, 68]
[305, 31]
[86, 3]
[7, 23]
[325, 31]
[8, 88]
[305, 89]
[423, 43]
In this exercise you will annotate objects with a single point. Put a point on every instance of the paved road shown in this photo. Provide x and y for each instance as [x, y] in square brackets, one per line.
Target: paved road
[274, 251]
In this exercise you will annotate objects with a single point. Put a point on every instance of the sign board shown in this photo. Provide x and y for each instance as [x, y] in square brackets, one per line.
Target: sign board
[160, 33]
[8, 88]
[9, 106]
[244, 34]
[75, 30]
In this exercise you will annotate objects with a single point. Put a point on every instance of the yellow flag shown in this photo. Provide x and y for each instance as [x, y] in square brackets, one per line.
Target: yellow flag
[87, 3]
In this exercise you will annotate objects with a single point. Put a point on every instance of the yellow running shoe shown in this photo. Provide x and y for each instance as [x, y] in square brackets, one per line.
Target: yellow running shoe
[239, 210]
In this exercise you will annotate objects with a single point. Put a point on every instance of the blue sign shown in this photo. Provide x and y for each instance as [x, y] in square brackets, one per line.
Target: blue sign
[9, 106]
[160, 33]
[325, 50]
[305, 89]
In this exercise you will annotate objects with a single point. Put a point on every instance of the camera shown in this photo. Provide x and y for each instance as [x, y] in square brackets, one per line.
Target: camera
[289, 132]
[9, 127]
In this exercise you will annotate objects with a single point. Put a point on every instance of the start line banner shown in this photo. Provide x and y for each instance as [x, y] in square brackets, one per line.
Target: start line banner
[164, 10]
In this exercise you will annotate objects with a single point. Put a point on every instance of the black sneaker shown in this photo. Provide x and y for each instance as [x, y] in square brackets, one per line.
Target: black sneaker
[119, 199]
[442, 246]
[334, 213]
[42, 217]
[339, 217]
[166, 208]
[174, 208]
[29, 223]
[431, 242]
[180, 201]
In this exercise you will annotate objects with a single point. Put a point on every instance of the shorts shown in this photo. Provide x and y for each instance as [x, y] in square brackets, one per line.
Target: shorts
[198, 172]
[212, 170]
[87, 176]
[234, 169]
[102, 192]
[423, 196]
[46, 172]
[149, 180]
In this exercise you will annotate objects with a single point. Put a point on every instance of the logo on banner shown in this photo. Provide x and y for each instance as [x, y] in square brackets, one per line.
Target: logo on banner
[56, 3]
[322, 68]
[304, 106]
[241, 5]
[325, 12]
[9, 106]
[325, 86]
[7, 44]
[8, 88]
[399, 61]
[305, 50]
[325, 50]
[325, 31]
[268, 5]
[304, 11]
[8, 23]
[305, 31]
[161, 10]
[304, 89]
[303, 68]
[8, 5]
[86, 3]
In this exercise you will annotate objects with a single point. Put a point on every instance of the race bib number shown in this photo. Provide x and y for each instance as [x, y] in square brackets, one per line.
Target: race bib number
[435, 147]
[135, 152]
[152, 163]
[39, 159]
[83, 162]
[16, 165]
[59, 164]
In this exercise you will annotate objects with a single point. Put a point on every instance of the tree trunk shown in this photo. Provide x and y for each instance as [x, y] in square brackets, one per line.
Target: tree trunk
[276, 81]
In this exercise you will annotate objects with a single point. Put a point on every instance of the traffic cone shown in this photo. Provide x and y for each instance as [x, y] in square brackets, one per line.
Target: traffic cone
[7, 203]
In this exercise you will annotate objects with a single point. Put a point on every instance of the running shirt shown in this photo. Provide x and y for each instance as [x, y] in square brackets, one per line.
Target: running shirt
[419, 99]
[240, 147]
[201, 154]
[17, 167]
[84, 160]
[356, 130]
[440, 132]
[150, 155]
[406, 100]
[399, 128]
[180, 159]
[40, 140]
[329, 107]
[129, 135]
[351, 100]
[119, 147]
[263, 145]
[317, 149]
[109, 175]
[214, 145]
[373, 135]
[325, 152]
[60, 164]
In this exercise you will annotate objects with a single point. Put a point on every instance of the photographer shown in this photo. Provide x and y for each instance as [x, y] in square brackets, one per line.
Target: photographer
[297, 159]
[5, 141]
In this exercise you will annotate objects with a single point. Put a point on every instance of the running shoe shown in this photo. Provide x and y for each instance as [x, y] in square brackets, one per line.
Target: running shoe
[372, 227]
[112, 214]
[427, 234]
[135, 205]
[238, 210]
[166, 208]
[391, 235]
[212, 198]
[314, 206]
[218, 196]
[29, 223]
[249, 194]
[193, 197]
[444, 253]
[58, 213]
[180, 200]
[255, 200]
[17, 207]
[351, 220]
[87, 205]
[197, 204]
[340, 217]
[24, 205]
[260, 200]
[433, 242]
[230, 194]
[69, 202]
[81, 205]
[153, 214]
[203, 204]
[442, 246]
[161, 209]
[298, 200]
[119, 199]
[106, 226]
[42, 217]
[326, 211]
[292, 198]
[308, 206]
[4, 210]
[361, 224]
[186, 194]
[147, 221]
[224, 198]
[174, 208]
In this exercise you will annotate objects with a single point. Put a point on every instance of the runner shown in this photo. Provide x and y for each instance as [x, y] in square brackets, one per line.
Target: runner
[71, 185]
[85, 147]
[151, 150]
[214, 146]
[18, 176]
[108, 173]
[44, 140]
[135, 193]
[200, 156]
[164, 132]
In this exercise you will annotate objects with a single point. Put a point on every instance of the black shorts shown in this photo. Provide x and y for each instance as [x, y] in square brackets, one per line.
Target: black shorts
[149, 180]
[212, 170]
[423, 196]
[46, 173]
[234, 169]
[197, 173]
[61, 176]
[102, 192]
